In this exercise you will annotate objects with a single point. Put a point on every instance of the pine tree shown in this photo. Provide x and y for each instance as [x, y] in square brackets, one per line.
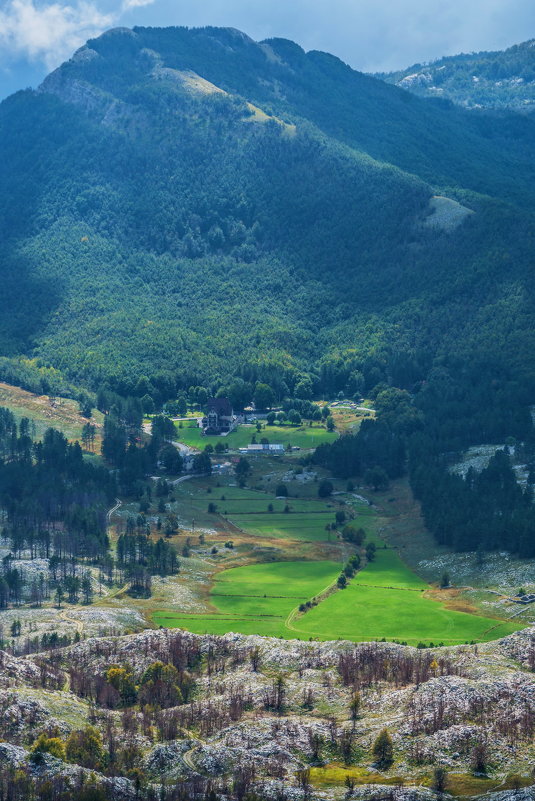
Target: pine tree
[383, 750]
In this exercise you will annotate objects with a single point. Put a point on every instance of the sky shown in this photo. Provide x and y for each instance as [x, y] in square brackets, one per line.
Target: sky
[370, 35]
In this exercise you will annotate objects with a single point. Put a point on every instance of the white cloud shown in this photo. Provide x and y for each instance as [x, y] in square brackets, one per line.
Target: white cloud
[49, 33]
[128, 5]
[36, 35]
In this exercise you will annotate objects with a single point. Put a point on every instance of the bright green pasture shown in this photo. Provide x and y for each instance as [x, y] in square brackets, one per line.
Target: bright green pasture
[388, 570]
[192, 436]
[301, 436]
[257, 599]
[368, 613]
[368, 609]
[385, 600]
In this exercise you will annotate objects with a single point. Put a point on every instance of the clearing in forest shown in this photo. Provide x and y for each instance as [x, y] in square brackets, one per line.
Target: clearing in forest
[304, 436]
[50, 412]
[386, 599]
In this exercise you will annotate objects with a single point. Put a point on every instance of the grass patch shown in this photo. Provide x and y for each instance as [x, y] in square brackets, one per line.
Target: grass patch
[299, 436]
[309, 526]
[384, 600]
[256, 599]
[387, 599]
[459, 785]
[60, 413]
[334, 775]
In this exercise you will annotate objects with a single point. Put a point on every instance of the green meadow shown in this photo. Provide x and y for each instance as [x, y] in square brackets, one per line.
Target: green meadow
[385, 599]
[255, 512]
[298, 436]
[257, 599]
[308, 527]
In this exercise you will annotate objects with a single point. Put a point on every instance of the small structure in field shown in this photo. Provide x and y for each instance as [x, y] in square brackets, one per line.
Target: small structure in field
[263, 448]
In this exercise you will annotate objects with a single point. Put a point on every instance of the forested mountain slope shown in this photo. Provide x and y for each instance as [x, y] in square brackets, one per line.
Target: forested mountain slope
[496, 79]
[190, 205]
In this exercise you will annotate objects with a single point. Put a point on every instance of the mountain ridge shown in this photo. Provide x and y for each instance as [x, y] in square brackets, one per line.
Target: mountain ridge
[499, 79]
[142, 212]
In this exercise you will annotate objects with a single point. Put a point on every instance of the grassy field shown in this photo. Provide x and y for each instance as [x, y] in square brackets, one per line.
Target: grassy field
[459, 784]
[60, 413]
[257, 599]
[298, 436]
[370, 608]
[308, 526]
[247, 510]
[386, 599]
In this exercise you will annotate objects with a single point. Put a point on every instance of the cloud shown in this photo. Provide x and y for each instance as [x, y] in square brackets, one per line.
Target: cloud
[49, 33]
[371, 35]
[128, 5]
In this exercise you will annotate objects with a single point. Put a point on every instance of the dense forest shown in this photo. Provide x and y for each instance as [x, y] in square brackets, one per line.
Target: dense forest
[479, 512]
[188, 212]
[151, 228]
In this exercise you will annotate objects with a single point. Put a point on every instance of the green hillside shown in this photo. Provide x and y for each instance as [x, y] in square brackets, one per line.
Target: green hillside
[491, 79]
[188, 205]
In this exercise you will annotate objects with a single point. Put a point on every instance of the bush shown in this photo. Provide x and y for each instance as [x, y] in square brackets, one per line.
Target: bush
[160, 686]
[325, 488]
[49, 745]
[370, 551]
[84, 747]
[294, 417]
[440, 780]
[352, 534]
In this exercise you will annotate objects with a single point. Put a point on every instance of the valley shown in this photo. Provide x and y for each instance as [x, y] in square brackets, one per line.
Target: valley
[384, 600]
[267, 441]
[265, 558]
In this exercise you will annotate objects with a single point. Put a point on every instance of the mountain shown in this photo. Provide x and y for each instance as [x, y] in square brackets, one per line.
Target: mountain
[190, 205]
[497, 79]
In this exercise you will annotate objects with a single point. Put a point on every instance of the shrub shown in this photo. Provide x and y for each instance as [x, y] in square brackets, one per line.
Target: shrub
[160, 686]
[49, 745]
[325, 488]
[84, 747]
[352, 534]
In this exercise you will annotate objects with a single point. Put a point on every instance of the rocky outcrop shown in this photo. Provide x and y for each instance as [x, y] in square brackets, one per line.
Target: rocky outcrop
[263, 711]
